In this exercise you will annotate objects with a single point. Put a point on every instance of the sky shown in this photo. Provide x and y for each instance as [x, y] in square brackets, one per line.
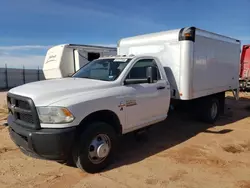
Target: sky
[29, 27]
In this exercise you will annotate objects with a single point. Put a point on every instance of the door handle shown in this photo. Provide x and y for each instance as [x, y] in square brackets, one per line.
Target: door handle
[160, 87]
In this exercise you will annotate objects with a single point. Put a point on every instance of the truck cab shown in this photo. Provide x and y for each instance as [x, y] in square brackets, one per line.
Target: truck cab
[82, 116]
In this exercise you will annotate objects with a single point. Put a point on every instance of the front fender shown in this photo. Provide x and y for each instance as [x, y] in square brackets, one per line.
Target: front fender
[81, 109]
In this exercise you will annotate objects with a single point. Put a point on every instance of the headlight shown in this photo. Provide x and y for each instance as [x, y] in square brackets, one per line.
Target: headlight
[54, 115]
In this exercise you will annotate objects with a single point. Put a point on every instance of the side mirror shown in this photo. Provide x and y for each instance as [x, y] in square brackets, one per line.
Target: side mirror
[151, 74]
[135, 81]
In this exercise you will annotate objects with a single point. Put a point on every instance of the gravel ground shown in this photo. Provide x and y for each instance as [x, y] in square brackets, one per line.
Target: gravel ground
[176, 153]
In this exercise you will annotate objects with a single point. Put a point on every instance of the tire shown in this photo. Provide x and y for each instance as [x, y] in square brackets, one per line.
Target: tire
[211, 110]
[85, 147]
[68, 162]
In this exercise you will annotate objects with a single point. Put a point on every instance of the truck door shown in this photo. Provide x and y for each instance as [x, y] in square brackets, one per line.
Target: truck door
[145, 103]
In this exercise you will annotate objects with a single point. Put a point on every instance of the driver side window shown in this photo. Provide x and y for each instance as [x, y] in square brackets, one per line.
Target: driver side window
[139, 70]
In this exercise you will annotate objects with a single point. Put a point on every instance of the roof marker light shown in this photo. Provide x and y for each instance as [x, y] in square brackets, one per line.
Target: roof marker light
[187, 34]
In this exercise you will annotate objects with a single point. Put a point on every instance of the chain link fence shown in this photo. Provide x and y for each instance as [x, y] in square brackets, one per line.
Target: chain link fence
[12, 77]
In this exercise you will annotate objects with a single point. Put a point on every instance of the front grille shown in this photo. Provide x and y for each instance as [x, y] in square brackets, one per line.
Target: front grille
[26, 118]
[23, 111]
[23, 105]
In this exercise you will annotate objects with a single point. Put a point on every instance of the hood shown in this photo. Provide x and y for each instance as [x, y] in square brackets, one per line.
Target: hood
[50, 91]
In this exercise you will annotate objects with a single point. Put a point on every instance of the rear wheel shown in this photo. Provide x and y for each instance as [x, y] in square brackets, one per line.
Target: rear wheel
[211, 110]
[95, 148]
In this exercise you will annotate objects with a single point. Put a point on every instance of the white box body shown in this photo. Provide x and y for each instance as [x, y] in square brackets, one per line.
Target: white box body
[206, 64]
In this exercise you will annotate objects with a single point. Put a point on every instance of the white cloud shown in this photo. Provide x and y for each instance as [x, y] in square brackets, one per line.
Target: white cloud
[23, 47]
[22, 55]
[23, 50]
[30, 61]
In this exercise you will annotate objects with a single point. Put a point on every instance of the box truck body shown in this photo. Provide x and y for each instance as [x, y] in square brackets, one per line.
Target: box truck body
[205, 64]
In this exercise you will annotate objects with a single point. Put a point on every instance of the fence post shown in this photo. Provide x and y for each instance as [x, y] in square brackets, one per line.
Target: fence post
[6, 77]
[38, 74]
[24, 75]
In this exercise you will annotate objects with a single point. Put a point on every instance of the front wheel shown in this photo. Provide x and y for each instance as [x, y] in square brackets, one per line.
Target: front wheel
[95, 148]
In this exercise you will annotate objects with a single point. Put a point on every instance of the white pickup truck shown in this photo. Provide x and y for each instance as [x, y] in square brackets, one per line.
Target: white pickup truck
[81, 117]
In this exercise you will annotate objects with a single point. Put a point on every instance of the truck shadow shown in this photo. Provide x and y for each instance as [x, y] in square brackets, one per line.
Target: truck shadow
[178, 128]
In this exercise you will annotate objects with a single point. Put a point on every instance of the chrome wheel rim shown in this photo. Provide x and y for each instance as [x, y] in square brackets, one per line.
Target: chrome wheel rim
[99, 148]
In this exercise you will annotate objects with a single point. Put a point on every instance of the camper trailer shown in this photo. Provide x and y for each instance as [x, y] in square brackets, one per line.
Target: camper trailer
[64, 60]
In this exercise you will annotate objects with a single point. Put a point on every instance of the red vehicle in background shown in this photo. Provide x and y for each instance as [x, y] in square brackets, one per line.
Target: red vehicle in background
[245, 68]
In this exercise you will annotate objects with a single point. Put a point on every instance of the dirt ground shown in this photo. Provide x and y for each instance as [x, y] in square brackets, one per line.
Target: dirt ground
[177, 153]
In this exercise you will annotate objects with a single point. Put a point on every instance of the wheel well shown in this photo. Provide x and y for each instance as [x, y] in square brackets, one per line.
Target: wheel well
[106, 116]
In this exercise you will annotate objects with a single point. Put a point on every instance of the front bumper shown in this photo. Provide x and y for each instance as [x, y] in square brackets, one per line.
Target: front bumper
[50, 144]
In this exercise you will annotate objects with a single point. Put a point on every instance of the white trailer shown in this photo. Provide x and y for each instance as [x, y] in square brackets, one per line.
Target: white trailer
[82, 117]
[66, 59]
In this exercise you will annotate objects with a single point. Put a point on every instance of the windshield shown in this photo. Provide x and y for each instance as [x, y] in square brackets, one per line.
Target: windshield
[102, 69]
